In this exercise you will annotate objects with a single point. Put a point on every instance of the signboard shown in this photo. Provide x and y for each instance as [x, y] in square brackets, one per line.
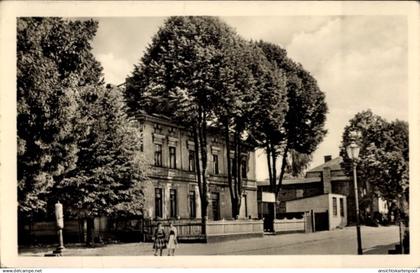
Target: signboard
[268, 197]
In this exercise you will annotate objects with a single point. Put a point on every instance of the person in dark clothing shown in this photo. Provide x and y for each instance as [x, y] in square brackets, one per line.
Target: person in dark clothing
[159, 238]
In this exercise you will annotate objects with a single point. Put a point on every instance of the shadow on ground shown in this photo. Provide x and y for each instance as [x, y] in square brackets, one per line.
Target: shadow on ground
[380, 249]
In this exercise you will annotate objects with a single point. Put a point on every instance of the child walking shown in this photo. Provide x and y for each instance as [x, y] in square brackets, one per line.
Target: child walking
[173, 240]
[159, 240]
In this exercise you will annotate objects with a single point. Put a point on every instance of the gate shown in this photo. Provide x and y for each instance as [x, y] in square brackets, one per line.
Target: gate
[268, 215]
[321, 221]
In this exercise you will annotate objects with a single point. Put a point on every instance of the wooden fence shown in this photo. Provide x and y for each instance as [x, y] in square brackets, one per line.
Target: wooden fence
[289, 225]
[226, 227]
[188, 229]
[137, 230]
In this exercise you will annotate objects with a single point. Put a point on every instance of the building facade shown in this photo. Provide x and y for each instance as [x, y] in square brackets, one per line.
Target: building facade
[327, 178]
[327, 211]
[172, 191]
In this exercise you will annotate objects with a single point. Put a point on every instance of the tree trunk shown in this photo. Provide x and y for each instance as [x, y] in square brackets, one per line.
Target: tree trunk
[229, 170]
[198, 164]
[80, 221]
[268, 153]
[90, 240]
[197, 159]
[238, 173]
[202, 136]
[274, 171]
[283, 167]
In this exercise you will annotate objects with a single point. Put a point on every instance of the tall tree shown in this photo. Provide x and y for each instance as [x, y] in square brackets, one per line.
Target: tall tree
[382, 167]
[110, 170]
[176, 76]
[301, 129]
[75, 143]
[53, 58]
[246, 76]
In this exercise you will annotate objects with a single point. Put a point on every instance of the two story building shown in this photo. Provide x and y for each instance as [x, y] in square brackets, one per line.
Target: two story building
[172, 192]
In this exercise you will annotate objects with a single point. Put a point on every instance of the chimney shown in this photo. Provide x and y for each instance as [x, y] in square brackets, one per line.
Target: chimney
[327, 158]
[326, 180]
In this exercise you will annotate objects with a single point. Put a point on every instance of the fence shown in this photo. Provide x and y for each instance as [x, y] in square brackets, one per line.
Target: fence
[226, 227]
[289, 225]
[188, 229]
[191, 229]
[46, 232]
[75, 231]
[136, 230]
[234, 229]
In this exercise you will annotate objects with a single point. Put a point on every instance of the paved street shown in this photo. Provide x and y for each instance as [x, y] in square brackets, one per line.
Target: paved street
[339, 242]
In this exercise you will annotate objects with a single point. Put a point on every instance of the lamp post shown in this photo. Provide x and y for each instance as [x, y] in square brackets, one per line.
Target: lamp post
[353, 153]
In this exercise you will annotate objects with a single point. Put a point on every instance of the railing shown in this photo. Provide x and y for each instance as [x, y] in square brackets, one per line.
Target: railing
[46, 232]
[289, 225]
[225, 227]
[188, 229]
[142, 230]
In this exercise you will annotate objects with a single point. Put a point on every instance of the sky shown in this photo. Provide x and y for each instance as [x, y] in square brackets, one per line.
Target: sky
[359, 62]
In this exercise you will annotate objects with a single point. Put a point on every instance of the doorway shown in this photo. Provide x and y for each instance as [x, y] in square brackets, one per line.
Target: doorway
[268, 215]
[321, 221]
[214, 206]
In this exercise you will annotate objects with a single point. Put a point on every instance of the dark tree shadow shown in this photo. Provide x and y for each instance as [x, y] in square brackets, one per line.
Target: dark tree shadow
[381, 249]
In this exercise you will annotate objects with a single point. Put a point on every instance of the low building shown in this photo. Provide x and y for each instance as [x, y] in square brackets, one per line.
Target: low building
[327, 211]
[327, 178]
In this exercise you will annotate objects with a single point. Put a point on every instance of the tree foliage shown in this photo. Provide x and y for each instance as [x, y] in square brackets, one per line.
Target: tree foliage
[383, 164]
[110, 169]
[247, 79]
[177, 76]
[75, 142]
[199, 71]
[53, 58]
[295, 129]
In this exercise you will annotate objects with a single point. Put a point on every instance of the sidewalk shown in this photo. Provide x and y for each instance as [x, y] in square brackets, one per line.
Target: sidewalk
[376, 240]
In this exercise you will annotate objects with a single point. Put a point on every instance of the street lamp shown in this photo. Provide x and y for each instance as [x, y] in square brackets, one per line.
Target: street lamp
[353, 153]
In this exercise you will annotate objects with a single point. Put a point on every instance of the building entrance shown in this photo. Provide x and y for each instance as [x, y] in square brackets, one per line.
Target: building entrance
[268, 215]
[321, 221]
[214, 206]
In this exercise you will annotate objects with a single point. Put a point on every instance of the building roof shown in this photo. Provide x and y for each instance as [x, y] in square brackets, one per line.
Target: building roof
[333, 164]
[293, 181]
[314, 196]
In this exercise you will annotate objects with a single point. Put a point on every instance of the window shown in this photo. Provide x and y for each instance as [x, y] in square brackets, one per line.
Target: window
[192, 204]
[172, 157]
[334, 206]
[158, 155]
[172, 200]
[342, 207]
[191, 161]
[216, 164]
[158, 203]
[244, 168]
